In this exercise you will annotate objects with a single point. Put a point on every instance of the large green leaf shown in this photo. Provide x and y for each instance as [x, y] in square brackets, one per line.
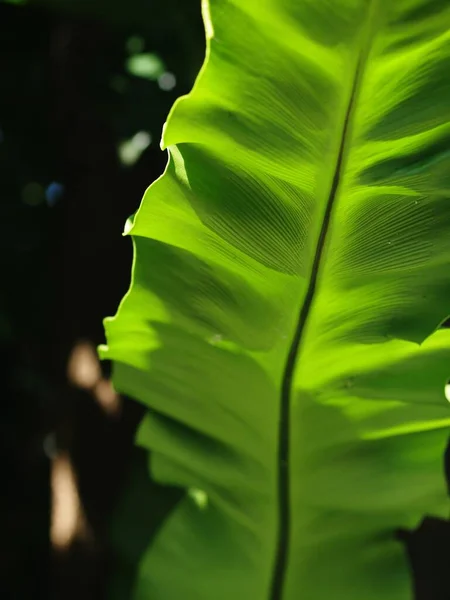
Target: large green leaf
[291, 270]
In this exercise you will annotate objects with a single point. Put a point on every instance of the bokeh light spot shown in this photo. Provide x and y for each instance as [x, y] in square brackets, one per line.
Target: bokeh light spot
[167, 81]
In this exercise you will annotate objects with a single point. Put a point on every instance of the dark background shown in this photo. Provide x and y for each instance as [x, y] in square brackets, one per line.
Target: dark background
[69, 99]
[71, 171]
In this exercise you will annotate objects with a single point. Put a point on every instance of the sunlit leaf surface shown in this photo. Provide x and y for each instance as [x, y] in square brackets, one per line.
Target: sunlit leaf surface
[291, 270]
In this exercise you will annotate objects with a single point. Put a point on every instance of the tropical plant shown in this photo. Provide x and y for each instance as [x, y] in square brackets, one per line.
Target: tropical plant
[291, 272]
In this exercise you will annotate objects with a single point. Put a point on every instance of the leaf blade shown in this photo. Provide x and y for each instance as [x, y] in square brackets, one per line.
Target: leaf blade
[241, 234]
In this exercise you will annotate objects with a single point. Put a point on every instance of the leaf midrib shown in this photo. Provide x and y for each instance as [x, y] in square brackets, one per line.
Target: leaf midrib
[282, 549]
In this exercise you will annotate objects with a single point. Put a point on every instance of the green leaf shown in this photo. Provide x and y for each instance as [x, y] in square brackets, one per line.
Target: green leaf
[291, 271]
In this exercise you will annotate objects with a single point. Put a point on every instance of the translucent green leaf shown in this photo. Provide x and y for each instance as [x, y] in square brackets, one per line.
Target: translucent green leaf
[291, 272]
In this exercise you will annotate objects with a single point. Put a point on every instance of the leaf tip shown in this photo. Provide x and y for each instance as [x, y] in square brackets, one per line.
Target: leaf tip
[102, 351]
[128, 225]
[162, 144]
[206, 14]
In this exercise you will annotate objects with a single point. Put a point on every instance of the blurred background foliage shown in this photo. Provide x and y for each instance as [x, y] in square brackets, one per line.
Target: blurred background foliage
[85, 87]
